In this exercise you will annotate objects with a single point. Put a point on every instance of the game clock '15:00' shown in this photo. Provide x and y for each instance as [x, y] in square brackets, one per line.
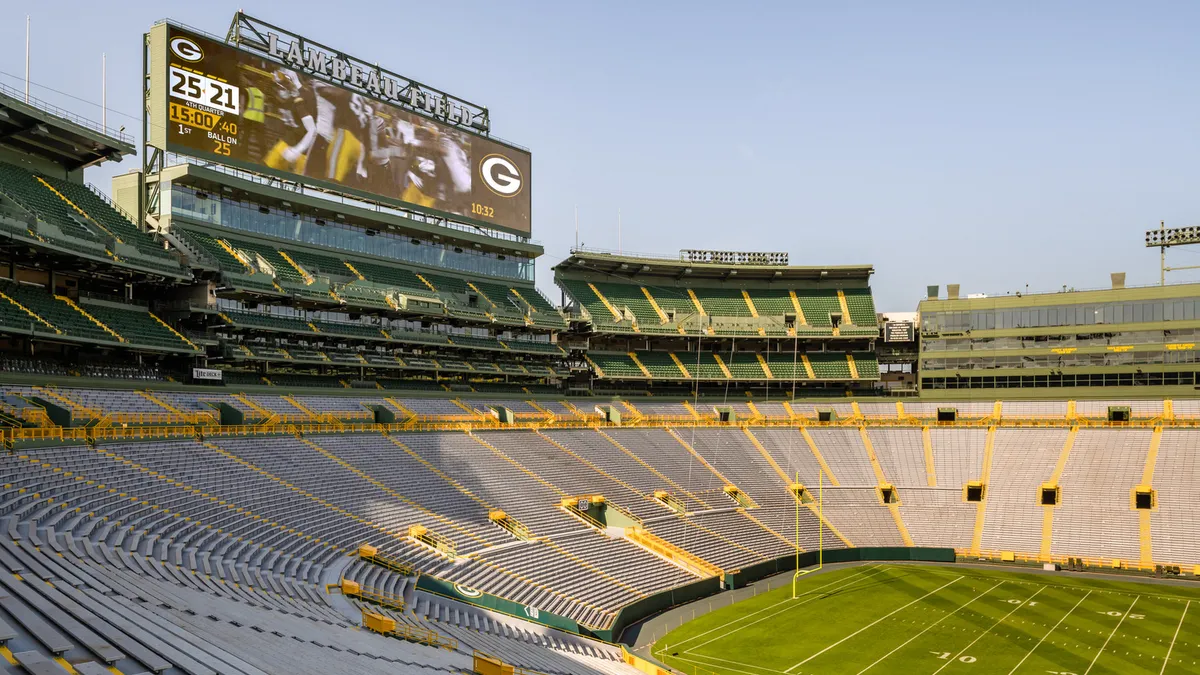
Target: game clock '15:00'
[210, 100]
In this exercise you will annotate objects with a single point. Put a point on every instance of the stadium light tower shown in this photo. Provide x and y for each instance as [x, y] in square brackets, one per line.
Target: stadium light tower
[1164, 238]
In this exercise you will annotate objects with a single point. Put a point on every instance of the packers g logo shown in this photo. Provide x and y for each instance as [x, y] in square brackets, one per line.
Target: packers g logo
[467, 591]
[186, 49]
[500, 175]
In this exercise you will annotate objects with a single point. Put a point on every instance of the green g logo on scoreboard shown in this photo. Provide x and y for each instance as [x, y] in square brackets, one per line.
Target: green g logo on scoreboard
[187, 49]
[501, 175]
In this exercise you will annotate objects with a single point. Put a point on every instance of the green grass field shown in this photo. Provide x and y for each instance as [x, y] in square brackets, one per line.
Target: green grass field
[931, 619]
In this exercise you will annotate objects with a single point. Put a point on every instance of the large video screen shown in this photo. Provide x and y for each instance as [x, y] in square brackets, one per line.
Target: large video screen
[231, 105]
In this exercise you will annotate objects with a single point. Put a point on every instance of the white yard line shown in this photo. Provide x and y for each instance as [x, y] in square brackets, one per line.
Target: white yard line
[791, 605]
[871, 624]
[1167, 658]
[736, 663]
[781, 602]
[1110, 635]
[927, 628]
[732, 670]
[1039, 642]
[980, 636]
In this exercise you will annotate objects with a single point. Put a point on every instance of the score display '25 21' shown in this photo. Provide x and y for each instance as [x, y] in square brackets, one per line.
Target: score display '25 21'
[205, 91]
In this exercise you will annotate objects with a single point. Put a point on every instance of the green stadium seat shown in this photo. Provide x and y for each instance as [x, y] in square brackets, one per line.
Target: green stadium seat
[616, 365]
[300, 380]
[584, 295]
[319, 265]
[771, 302]
[473, 313]
[534, 346]
[744, 366]
[676, 300]
[499, 294]
[536, 300]
[722, 301]
[357, 295]
[13, 318]
[306, 354]
[475, 341]
[448, 284]
[268, 352]
[829, 365]
[357, 330]
[818, 305]
[101, 210]
[786, 365]
[630, 296]
[284, 270]
[660, 364]
[513, 368]
[235, 272]
[271, 322]
[392, 275]
[867, 364]
[211, 246]
[137, 326]
[703, 367]
[24, 188]
[58, 313]
[861, 306]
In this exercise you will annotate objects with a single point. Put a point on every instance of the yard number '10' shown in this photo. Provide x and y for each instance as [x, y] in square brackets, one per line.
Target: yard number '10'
[946, 656]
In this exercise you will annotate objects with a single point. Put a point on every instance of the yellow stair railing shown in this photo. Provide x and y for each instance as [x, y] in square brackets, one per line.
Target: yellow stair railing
[481, 293]
[368, 553]
[845, 308]
[354, 270]
[1145, 542]
[721, 364]
[71, 303]
[662, 548]
[637, 362]
[1055, 478]
[800, 320]
[615, 313]
[762, 362]
[750, 304]
[76, 408]
[679, 364]
[808, 369]
[179, 335]
[696, 302]
[989, 447]
[655, 306]
[930, 465]
[30, 312]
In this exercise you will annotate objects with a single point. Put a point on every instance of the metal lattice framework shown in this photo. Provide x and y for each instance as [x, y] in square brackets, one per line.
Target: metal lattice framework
[1164, 238]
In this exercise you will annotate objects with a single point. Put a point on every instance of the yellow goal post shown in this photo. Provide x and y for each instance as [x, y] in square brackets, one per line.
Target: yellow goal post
[820, 531]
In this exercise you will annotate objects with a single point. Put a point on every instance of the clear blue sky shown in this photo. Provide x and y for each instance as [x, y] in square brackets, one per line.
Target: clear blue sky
[1026, 143]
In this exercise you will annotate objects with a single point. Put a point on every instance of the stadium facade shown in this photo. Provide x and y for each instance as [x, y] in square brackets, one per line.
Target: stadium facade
[1117, 341]
[294, 378]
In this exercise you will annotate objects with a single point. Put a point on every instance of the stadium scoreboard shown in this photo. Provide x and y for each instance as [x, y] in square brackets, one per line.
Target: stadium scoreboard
[899, 331]
[284, 106]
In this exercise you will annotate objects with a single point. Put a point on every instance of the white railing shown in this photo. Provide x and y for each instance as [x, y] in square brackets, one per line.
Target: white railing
[64, 114]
